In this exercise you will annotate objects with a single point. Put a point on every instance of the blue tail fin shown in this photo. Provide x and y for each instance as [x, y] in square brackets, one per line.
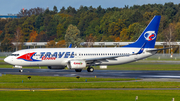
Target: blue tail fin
[149, 35]
[70, 46]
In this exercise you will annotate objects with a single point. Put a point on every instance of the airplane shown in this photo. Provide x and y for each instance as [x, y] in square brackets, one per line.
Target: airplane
[80, 58]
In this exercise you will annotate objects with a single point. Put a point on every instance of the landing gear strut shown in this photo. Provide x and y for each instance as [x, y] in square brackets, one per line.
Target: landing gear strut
[90, 69]
[20, 70]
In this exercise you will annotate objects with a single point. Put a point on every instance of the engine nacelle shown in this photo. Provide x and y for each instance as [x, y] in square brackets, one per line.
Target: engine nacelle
[76, 64]
[56, 67]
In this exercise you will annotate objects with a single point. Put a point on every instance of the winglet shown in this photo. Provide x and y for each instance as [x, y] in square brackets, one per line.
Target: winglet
[142, 49]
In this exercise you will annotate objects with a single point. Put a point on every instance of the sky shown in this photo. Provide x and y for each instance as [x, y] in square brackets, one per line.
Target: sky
[14, 6]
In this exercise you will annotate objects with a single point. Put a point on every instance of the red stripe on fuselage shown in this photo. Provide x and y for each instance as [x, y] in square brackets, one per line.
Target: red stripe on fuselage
[27, 56]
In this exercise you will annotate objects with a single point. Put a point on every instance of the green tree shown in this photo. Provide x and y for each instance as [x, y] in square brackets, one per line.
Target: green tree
[60, 32]
[10, 28]
[61, 43]
[123, 34]
[18, 38]
[47, 19]
[3, 22]
[132, 32]
[115, 27]
[55, 10]
[51, 29]
[51, 44]
[73, 36]
[39, 22]
[177, 31]
[28, 26]
[6, 44]
[62, 10]
[41, 37]
[1, 35]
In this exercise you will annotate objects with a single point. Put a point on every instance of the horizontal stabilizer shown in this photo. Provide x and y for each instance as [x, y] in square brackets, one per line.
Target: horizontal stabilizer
[153, 50]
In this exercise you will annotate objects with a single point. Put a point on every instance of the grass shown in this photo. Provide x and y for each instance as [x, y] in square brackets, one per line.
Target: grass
[1, 60]
[15, 81]
[4, 65]
[3, 56]
[16, 78]
[70, 85]
[21, 81]
[97, 95]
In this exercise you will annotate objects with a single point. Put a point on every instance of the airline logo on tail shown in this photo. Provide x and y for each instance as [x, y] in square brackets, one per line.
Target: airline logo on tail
[150, 35]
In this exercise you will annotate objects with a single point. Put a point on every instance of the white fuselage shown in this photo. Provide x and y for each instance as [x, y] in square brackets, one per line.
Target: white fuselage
[61, 56]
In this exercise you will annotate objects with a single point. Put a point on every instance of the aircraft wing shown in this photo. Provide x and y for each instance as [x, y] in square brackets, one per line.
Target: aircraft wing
[105, 58]
[93, 60]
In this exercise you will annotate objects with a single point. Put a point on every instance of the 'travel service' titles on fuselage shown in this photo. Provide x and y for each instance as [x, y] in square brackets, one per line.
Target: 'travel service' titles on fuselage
[56, 55]
[46, 56]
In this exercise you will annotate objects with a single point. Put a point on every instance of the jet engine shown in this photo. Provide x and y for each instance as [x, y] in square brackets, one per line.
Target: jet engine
[56, 67]
[76, 64]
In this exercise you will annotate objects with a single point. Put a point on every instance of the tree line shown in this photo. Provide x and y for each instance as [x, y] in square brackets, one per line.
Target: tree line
[70, 25]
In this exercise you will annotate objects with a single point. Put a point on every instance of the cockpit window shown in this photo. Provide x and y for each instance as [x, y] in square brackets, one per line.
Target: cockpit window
[14, 55]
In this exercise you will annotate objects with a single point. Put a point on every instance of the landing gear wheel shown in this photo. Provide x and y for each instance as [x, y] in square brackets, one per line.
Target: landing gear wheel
[78, 70]
[90, 69]
[20, 70]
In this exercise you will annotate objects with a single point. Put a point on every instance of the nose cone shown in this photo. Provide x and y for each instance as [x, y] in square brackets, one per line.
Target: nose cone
[7, 60]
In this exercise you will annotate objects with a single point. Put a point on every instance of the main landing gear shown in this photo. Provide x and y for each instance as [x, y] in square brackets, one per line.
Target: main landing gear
[90, 69]
[21, 70]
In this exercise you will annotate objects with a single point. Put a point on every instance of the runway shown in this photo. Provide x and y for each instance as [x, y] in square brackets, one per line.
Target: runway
[97, 73]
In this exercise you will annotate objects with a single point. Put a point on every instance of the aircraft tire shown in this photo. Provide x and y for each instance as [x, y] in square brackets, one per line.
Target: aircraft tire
[20, 70]
[90, 69]
[78, 70]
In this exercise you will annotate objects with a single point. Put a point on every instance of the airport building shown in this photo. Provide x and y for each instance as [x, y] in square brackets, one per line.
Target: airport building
[9, 16]
[99, 44]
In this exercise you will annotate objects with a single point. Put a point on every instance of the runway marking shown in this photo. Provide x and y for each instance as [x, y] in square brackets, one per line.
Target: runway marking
[168, 76]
